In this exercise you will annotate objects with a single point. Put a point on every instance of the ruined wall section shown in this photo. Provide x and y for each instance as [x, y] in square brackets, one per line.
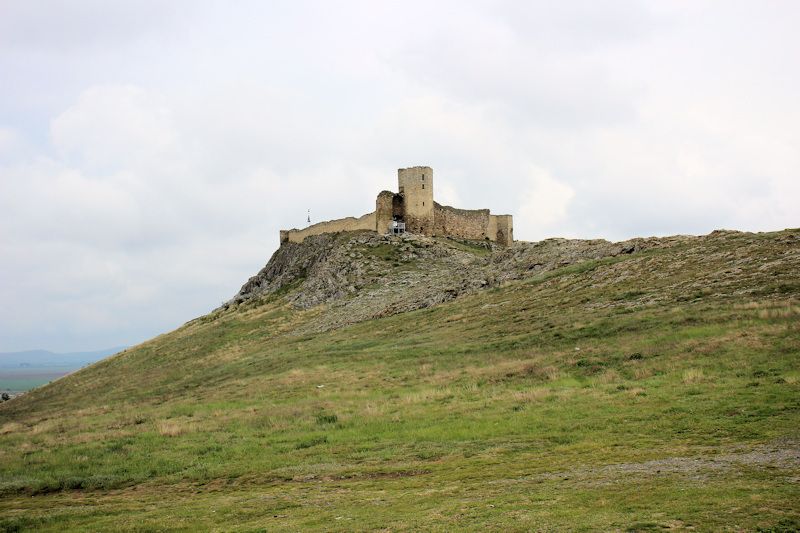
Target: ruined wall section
[366, 222]
[384, 211]
[473, 224]
[463, 223]
[504, 229]
[416, 187]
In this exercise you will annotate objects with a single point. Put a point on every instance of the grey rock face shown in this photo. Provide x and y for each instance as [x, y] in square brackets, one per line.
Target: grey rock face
[363, 275]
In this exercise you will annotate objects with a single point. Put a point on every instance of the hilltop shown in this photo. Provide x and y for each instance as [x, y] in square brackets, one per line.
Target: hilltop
[403, 382]
[363, 275]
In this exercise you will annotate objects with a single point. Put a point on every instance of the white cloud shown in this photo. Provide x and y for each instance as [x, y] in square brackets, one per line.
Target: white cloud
[446, 192]
[148, 158]
[115, 127]
[544, 206]
[10, 143]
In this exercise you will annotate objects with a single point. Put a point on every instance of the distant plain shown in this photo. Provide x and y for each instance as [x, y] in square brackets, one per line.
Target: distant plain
[25, 378]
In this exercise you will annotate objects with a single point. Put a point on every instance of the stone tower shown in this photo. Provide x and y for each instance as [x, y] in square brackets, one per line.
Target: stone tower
[416, 188]
[412, 209]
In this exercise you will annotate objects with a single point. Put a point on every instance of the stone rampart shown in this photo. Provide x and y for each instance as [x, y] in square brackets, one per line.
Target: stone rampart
[366, 222]
[504, 229]
[471, 224]
[384, 211]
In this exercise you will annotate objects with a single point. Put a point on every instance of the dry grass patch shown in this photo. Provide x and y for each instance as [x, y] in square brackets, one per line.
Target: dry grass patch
[789, 309]
[11, 427]
[171, 428]
[531, 395]
[470, 388]
[693, 375]
[270, 422]
[225, 354]
[83, 438]
[551, 373]
[47, 426]
[609, 376]
[372, 409]
[427, 395]
[750, 305]
[305, 376]
[442, 378]
[526, 368]
[30, 446]
[92, 411]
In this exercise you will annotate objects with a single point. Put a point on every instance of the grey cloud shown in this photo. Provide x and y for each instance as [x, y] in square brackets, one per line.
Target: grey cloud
[149, 157]
[61, 26]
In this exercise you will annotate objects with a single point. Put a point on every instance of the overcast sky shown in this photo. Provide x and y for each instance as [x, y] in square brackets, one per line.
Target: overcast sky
[151, 150]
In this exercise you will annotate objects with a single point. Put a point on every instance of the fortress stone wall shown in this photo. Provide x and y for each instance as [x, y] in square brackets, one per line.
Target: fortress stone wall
[473, 224]
[366, 222]
[463, 223]
[414, 206]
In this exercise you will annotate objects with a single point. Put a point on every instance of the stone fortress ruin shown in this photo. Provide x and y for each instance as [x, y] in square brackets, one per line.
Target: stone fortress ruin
[412, 209]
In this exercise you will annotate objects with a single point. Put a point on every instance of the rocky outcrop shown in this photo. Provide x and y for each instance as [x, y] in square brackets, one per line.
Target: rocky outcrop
[333, 267]
[363, 275]
[288, 266]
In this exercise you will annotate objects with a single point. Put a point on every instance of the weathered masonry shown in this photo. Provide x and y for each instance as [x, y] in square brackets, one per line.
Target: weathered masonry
[413, 209]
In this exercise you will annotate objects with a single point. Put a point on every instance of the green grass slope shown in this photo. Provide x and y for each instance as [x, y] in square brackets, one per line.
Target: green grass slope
[612, 394]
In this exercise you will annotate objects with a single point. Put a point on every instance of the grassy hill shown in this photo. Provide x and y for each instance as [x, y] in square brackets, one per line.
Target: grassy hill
[658, 388]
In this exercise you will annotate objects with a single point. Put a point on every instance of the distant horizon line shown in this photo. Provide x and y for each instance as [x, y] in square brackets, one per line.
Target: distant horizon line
[72, 352]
